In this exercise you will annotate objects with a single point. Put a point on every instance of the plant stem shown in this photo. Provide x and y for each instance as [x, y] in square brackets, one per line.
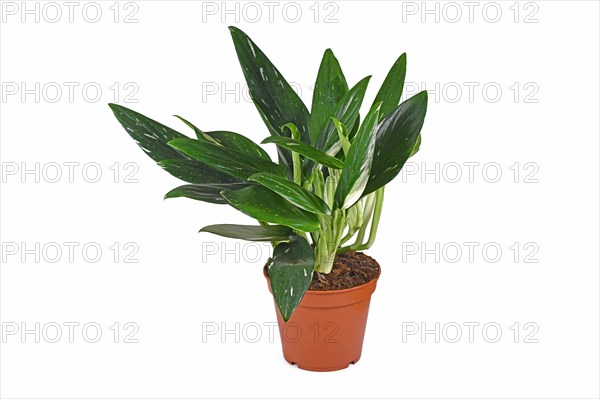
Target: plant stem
[329, 241]
[319, 183]
[296, 160]
[375, 222]
[358, 245]
[368, 203]
[346, 238]
[297, 168]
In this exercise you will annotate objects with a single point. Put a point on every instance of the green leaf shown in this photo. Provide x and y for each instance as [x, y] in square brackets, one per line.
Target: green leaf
[306, 150]
[250, 233]
[290, 272]
[416, 147]
[292, 192]
[391, 89]
[330, 88]
[194, 172]
[263, 204]
[274, 98]
[235, 163]
[343, 135]
[151, 136]
[395, 139]
[284, 156]
[357, 165]
[355, 128]
[228, 139]
[346, 112]
[199, 133]
[204, 192]
[238, 142]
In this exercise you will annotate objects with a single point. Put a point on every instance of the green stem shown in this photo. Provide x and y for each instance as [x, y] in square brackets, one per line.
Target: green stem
[319, 185]
[358, 245]
[297, 168]
[375, 222]
[346, 238]
[368, 214]
[330, 186]
[368, 203]
[329, 241]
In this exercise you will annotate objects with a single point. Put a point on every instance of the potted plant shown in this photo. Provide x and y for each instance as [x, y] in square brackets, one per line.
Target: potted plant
[319, 204]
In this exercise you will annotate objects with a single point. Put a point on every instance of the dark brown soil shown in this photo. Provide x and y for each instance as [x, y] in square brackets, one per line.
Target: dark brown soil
[350, 269]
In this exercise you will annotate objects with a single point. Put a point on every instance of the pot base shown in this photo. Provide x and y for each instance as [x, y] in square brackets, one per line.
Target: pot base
[322, 368]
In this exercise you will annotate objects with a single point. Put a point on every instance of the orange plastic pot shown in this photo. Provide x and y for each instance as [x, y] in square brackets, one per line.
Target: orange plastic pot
[326, 331]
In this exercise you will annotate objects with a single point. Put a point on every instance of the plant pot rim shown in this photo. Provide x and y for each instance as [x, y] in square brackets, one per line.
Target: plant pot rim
[331, 292]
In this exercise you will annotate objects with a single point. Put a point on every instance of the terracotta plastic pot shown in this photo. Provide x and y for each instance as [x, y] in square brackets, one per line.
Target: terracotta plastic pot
[326, 331]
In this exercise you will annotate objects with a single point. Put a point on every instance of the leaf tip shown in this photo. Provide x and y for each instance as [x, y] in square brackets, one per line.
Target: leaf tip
[115, 107]
[422, 96]
[168, 195]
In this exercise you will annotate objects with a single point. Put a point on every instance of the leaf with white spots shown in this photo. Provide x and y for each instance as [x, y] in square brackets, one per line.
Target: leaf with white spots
[151, 136]
[275, 99]
[263, 204]
[294, 193]
[330, 88]
[228, 139]
[392, 87]
[306, 150]
[238, 142]
[290, 272]
[227, 160]
[357, 165]
[346, 111]
[204, 192]
[395, 140]
[192, 171]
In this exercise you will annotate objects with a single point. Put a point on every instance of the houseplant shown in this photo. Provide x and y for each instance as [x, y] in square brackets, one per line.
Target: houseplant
[319, 204]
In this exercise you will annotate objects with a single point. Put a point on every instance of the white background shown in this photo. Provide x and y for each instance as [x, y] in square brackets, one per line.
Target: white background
[175, 56]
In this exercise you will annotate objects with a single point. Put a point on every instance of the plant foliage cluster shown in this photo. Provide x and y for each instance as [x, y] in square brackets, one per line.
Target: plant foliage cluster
[324, 195]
